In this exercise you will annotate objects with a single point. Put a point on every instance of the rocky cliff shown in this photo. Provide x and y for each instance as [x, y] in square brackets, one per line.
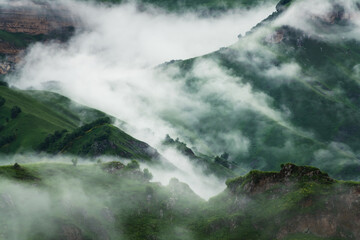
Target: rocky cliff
[296, 200]
[26, 22]
[34, 18]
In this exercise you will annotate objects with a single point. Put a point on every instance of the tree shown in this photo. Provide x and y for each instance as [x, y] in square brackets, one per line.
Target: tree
[225, 156]
[222, 162]
[5, 84]
[2, 101]
[74, 161]
[147, 174]
[15, 112]
[133, 165]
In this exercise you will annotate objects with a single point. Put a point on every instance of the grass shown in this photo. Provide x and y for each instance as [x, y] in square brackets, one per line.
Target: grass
[43, 113]
[32, 125]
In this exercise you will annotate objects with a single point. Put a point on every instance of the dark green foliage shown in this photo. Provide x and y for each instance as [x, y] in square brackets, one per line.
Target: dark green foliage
[98, 138]
[15, 111]
[57, 141]
[7, 139]
[218, 166]
[147, 174]
[123, 205]
[222, 161]
[2, 101]
[82, 130]
[4, 84]
[51, 139]
[133, 165]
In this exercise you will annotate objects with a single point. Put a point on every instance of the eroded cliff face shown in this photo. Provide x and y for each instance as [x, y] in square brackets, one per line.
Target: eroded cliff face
[34, 18]
[305, 200]
[25, 22]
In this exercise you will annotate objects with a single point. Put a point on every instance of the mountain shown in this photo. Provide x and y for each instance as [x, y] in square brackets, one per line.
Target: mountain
[294, 91]
[25, 23]
[287, 91]
[116, 201]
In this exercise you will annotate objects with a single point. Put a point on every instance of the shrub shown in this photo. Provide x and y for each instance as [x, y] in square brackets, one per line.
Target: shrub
[15, 112]
[5, 84]
[222, 162]
[7, 140]
[74, 161]
[2, 101]
[147, 175]
[133, 165]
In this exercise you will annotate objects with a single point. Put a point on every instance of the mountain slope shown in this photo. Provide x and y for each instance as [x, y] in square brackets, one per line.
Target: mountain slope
[291, 91]
[32, 124]
[116, 201]
[51, 123]
[296, 203]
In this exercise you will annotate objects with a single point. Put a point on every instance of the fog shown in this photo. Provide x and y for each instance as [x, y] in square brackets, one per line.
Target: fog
[109, 65]
[204, 185]
[112, 64]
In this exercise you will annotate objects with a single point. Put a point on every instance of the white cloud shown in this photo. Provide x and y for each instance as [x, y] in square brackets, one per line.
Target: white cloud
[109, 64]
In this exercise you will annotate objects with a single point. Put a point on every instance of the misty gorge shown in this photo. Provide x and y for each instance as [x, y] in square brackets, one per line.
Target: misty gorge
[179, 119]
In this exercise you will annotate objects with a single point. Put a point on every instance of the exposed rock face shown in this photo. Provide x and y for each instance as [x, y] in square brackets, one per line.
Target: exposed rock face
[34, 18]
[340, 217]
[25, 22]
[276, 37]
[258, 182]
[324, 207]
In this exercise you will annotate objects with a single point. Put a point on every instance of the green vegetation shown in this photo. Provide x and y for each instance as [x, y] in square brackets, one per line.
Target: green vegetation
[2, 101]
[220, 166]
[121, 203]
[98, 138]
[32, 125]
[49, 122]
[15, 111]
[313, 111]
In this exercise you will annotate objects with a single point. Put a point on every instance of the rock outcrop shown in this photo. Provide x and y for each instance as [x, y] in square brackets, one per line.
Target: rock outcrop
[34, 18]
[307, 201]
[26, 22]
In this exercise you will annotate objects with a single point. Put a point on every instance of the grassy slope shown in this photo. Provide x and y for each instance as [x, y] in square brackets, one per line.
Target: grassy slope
[66, 107]
[33, 124]
[104, 139]
[43, 113]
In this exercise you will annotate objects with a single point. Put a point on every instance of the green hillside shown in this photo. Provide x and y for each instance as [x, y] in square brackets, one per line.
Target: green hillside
[117, 201]
[98, 138]
[48, 122]
[32, 124]
[306, 103]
